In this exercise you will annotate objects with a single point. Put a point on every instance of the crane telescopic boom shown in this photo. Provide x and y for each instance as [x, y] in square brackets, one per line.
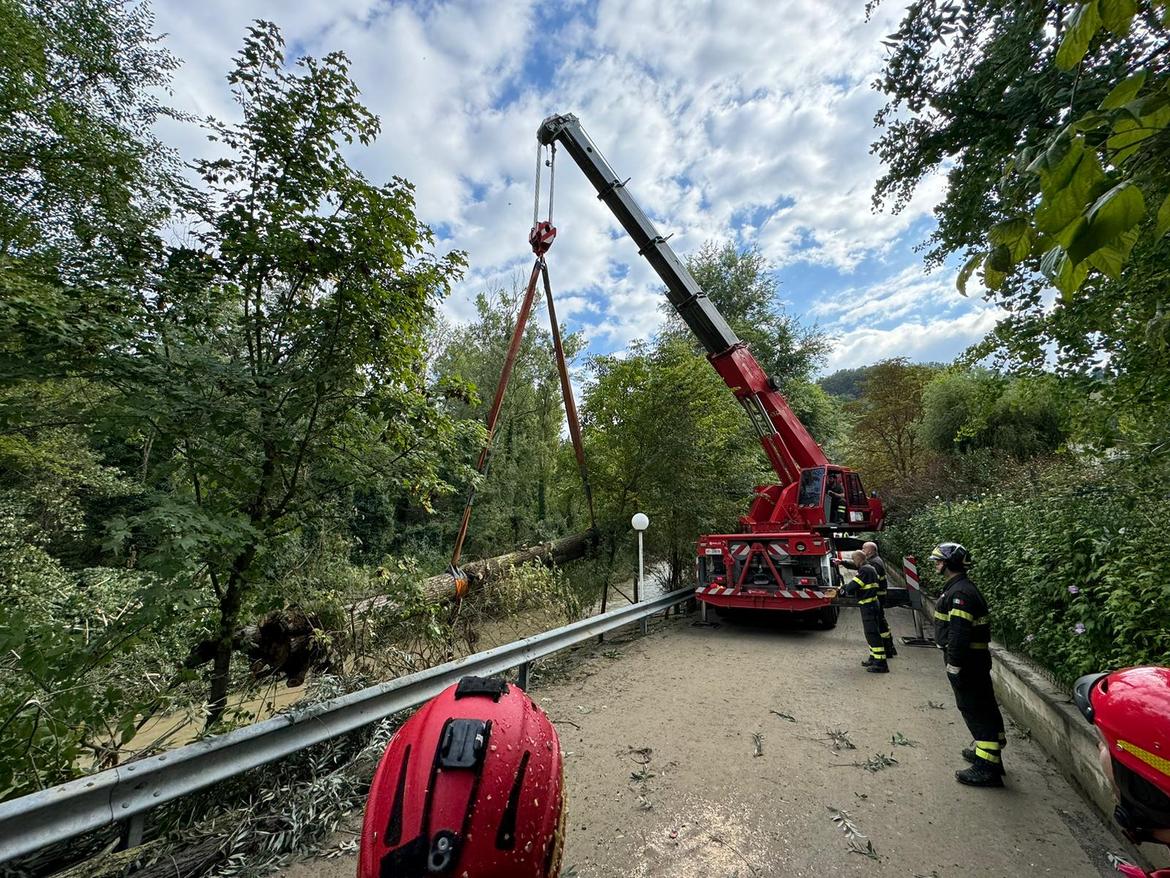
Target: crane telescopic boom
[787, 443]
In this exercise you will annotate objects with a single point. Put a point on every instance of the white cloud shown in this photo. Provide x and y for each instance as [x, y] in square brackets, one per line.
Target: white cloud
[909, 314]
[716, 111]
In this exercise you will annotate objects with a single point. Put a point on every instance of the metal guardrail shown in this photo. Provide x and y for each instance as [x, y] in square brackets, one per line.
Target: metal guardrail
[129, 791]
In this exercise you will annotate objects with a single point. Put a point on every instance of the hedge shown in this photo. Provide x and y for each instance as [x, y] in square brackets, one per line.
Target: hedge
[1075, 565]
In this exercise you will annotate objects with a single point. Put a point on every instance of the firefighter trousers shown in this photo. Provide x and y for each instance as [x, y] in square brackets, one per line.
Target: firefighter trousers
[887, 637]
[975, 698]
[871, 623]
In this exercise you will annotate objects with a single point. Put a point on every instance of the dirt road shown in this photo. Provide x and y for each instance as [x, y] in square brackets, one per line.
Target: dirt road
[680, 765]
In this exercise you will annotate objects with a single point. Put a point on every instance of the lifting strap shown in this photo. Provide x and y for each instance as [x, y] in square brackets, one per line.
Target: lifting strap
[541, 239]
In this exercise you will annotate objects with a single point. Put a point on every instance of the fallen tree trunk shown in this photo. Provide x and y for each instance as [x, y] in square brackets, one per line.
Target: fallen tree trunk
[283, 642]
[440, 589]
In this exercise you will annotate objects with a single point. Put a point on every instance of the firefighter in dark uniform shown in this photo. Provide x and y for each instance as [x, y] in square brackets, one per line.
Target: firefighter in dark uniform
[962, 628]
[864, 585]
[874, 560]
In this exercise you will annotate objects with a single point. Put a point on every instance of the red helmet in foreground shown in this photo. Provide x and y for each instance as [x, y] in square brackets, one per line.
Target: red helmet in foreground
[1132, 710]
[470, 786]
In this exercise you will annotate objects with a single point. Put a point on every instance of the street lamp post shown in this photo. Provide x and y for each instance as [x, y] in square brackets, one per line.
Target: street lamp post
[639, 523]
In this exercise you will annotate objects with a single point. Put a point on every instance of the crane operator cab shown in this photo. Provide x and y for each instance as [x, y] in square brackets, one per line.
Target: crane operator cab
[833, 497]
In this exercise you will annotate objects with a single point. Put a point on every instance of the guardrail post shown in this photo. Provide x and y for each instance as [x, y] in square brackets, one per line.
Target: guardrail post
[132, 831]
[522, 675]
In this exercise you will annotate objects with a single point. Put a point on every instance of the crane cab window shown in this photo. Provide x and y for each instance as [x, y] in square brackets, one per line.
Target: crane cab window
[854, 491]
[812, 486]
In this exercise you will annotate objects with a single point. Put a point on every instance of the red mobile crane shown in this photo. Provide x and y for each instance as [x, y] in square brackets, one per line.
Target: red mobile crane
[781, 560]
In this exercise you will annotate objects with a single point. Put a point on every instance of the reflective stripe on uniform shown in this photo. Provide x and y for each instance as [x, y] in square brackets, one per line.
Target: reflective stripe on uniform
[866, 601]
[977, 646]
[1156, 762]
[942, 617]
[963, 614]
[988, 750]
[878, 652]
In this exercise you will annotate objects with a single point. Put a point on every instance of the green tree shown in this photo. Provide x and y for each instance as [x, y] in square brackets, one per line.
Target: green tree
[883, 443]
[743, 286]
[664, 436]
[516, 502]
[1050, 121]
[966, 410]
[279, 359]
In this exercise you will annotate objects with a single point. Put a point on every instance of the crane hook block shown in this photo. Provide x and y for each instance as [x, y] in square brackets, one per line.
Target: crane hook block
[541, 237]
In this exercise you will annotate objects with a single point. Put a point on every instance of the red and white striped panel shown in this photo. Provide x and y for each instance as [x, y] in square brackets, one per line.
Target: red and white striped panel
[777, 550]
[740, 550]
[804, 593]
[910, 571]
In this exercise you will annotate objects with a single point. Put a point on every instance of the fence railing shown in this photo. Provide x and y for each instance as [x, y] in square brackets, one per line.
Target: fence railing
[128, 792]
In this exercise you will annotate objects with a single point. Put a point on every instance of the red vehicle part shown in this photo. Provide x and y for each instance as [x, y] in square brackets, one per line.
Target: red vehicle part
[472, 784]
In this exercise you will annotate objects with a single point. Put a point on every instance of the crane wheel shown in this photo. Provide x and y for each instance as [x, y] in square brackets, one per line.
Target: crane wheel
[827, 617]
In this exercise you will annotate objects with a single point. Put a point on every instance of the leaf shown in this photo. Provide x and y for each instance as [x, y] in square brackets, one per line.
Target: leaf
[1000, 259]
[1111, 259]
[1163, 224]
[845, 823]
[1125, 91]
[967, 270]
[1113, 214]
[1083, 26]
[992, 278]
[1117, 15]
[1069, 276]
[1015, 236]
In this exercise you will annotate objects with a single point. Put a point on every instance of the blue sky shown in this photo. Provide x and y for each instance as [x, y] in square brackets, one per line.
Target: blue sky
[748, 122]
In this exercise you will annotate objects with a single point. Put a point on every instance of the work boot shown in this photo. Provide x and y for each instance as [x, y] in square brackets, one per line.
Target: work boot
[980, 775]
[890, 651]
[969, 755]
[878, 666]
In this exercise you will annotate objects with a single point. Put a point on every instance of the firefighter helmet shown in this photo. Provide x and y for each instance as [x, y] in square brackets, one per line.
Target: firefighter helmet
[469, 785]
[1131, 708]
[951, 554]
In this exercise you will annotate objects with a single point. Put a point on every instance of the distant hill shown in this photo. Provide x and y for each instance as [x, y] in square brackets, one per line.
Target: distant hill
[845, 383]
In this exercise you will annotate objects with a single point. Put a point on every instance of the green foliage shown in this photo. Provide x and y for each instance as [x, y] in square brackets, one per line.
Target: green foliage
[280, 363]
[742, 285]
[1070, 558]
[1051, 124]
[664, 436]
[845, 383]
[883, 443]
[84, 653]
[524, 497]
[964, 410]
[79, 169]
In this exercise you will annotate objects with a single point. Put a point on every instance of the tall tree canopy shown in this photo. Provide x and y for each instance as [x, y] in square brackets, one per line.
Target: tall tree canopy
[1049, 120]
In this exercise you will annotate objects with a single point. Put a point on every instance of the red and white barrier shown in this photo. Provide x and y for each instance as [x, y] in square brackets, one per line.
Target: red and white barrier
[910, 571]
[914, 589]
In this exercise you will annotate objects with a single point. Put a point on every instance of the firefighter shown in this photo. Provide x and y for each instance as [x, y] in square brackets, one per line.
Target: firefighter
[874, 560]
[1131, 712]
[962, 629]
[864, 585]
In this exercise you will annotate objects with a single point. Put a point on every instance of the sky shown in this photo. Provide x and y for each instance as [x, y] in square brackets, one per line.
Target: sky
[748, 122]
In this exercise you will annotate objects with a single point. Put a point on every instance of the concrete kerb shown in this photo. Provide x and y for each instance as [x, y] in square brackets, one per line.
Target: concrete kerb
[1053, 722]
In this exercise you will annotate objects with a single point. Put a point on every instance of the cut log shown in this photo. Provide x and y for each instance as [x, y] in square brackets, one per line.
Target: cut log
[283, 642]
[440, 589]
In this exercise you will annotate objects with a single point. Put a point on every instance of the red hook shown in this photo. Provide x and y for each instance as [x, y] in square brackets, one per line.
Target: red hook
[541, 237]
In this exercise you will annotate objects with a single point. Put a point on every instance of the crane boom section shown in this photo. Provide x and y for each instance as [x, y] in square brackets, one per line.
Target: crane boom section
[789, 446]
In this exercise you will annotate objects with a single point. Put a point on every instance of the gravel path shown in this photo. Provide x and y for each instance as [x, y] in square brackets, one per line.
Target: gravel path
[679, 764]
